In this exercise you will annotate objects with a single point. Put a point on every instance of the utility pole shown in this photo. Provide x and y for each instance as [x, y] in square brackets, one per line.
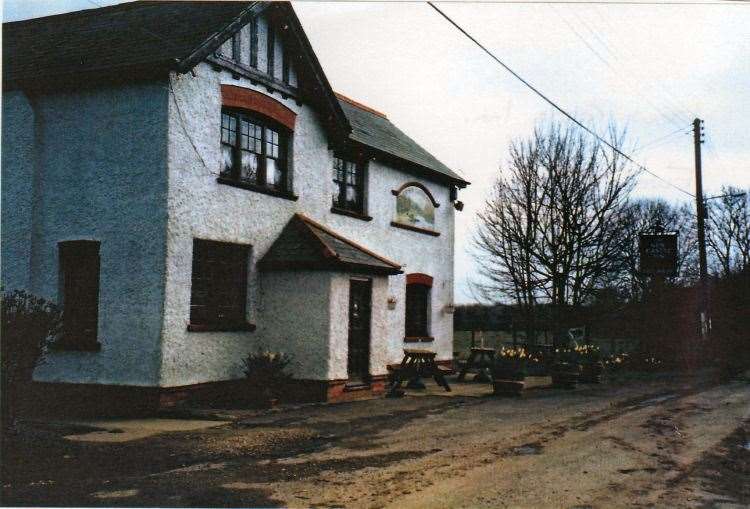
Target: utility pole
[700, 206]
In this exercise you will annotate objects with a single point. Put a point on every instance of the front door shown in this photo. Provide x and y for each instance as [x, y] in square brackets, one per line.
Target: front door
[360, 291]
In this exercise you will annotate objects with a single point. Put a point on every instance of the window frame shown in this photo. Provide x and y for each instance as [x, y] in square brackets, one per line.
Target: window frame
[414, 332]
[203, 269]
[79, 263]
[267, 127]
[339, 204]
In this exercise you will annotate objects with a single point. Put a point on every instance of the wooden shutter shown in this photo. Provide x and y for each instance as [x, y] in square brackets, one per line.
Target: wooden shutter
[219, 284]
[80, 265]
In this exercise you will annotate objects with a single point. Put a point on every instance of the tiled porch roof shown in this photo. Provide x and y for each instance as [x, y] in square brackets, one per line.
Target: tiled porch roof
[306, 244]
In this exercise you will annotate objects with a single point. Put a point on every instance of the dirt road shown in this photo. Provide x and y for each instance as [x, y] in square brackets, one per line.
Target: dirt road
[669, 442]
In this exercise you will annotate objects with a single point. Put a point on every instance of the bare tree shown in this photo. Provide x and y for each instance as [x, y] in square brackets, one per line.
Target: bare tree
[552, 229]
[728, 236]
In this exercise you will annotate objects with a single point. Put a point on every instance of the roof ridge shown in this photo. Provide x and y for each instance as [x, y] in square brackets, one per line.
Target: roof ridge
[360, 105]
[315, 224]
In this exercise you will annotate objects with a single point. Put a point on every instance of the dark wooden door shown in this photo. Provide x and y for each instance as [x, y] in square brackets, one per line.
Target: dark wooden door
[360, 292]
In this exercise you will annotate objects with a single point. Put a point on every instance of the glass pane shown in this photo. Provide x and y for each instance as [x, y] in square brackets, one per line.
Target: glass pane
[275, 173]
[270, 171]
[227, 159]
[352, 197]
[249, 168]
[336, 193]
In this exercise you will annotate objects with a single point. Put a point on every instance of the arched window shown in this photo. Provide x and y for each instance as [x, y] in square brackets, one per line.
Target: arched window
[415, 208]
[255, 140]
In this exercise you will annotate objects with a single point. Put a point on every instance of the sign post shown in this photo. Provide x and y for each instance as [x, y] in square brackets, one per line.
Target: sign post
[658, 253]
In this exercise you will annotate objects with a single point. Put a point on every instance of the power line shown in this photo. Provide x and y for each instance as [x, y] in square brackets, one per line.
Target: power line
[657, 141]
[670, 118]
[554, 105]
[607, 45]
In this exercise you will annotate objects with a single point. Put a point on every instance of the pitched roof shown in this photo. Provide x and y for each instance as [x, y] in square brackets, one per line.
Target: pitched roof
[117, 37]
[306, 244]
[154, 36]
[373, 129]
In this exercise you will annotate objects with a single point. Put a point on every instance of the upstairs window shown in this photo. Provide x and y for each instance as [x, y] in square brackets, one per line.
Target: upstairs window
[254, 151]
[348, 185]
[417, 321]
[79, 294]
[219, 286]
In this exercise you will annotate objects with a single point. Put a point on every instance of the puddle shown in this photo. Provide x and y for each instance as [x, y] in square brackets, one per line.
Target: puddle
[526, 450]
[658, 399]
[649, 470]
[116, 494]
[746, 446]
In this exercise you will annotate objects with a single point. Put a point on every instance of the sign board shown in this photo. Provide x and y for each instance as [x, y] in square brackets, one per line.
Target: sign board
[658, 253]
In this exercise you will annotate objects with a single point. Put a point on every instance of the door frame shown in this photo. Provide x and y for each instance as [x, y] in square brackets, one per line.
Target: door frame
[365, 377]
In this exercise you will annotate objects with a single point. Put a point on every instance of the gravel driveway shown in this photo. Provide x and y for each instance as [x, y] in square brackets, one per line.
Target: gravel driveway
[669, 441]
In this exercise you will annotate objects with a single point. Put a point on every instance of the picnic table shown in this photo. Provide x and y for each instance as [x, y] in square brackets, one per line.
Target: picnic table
[417, 364]
[480, 359]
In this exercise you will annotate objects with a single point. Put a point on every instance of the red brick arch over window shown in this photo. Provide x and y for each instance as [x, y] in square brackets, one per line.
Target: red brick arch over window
[419, 279]
[238, 97]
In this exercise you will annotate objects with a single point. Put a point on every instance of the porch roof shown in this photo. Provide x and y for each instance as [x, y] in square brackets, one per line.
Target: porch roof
[307, 245]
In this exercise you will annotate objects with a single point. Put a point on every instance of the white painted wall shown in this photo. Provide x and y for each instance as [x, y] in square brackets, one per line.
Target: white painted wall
[200, 207]
[91, 164]
[295, 318]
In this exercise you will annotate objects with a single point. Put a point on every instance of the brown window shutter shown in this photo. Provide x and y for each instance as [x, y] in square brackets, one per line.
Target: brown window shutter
[80, 268]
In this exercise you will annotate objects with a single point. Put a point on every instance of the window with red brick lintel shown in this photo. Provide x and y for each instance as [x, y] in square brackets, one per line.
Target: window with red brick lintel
[417, 319]
[255, 141]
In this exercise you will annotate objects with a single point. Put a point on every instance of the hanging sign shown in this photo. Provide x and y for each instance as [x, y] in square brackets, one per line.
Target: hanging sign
[658, 253]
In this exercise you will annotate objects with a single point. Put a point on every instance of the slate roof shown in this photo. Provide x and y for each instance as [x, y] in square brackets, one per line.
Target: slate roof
[121, 36]
[306, 244]
[373, 129]
[156, 35]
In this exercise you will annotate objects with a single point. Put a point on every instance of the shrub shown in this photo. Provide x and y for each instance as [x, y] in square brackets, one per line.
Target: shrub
[264, 366]
[29, 325]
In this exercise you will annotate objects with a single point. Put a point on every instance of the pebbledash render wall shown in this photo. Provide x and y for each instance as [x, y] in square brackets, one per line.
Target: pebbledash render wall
[91, 164]
[200, 207]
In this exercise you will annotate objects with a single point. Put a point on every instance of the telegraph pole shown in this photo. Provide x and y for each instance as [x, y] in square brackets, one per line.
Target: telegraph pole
[700, 206]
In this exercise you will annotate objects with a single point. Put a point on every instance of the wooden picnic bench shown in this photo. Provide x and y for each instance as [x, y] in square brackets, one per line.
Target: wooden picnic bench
[481, 359]
[417, 364]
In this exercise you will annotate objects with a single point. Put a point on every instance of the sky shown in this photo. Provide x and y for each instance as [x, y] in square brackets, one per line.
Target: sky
[650, 69]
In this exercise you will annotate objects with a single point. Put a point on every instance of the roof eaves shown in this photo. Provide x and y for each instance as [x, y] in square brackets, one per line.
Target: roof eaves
[215, 40]
[341, 121]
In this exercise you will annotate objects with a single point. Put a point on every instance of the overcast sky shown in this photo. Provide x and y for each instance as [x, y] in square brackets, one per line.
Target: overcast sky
[649, 68]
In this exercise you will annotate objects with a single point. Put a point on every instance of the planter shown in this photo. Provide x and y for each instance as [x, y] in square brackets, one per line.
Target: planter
[508, 387]
[591, 373]
[565, 376]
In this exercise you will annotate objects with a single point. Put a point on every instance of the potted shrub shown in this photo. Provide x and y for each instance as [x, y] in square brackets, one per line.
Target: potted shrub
[566, 368]
[591, 364]
[266, 375]
[509, 371]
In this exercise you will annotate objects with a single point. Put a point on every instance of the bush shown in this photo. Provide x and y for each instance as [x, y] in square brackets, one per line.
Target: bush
[264, 366]
[29, 325]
